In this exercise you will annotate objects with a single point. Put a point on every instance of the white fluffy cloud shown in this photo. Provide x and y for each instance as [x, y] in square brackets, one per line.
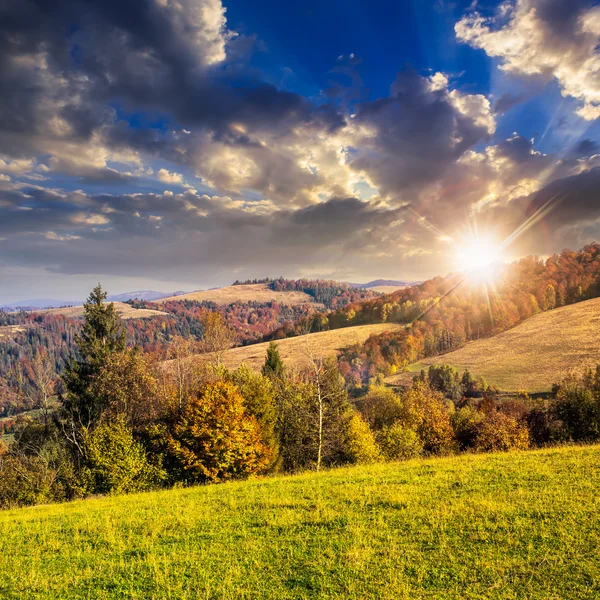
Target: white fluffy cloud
[551, 39]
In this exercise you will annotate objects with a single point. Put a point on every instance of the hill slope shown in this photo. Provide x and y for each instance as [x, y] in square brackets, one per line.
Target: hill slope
[254, 292]
[518, 525]
[125, 311]
[531, 356]
[293, 350]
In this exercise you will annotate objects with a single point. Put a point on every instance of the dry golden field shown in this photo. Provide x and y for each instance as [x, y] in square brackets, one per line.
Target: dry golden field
[125, 311]
[256, 292]
[387, 289]
[10, 331]
[294, 350]
[531, 356]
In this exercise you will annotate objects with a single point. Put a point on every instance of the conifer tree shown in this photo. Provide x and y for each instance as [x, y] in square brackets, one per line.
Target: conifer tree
[273, 366]
[100, 337]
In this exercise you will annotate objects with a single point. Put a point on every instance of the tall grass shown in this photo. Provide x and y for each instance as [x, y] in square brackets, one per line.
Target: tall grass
[518, 525]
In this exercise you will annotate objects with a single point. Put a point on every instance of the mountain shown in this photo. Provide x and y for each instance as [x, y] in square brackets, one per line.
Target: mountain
[38, 303]
[43, 303]
[384, 283]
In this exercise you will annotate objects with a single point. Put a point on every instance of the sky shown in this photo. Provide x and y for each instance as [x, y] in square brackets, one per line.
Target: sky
[183, 144]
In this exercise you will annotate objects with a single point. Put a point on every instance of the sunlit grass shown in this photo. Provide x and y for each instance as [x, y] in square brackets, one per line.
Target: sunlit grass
[519, 525]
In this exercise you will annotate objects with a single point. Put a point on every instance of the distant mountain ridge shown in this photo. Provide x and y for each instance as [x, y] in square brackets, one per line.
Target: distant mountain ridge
[42, 303]
[383, 282]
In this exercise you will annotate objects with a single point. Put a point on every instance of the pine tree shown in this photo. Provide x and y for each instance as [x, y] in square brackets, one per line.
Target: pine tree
[273, 366]
[100, 337]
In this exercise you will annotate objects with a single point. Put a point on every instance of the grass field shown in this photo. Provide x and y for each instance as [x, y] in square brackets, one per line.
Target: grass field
[293, 350]
[531, 356]
[519, 525]
[256, 292]
[125, 311]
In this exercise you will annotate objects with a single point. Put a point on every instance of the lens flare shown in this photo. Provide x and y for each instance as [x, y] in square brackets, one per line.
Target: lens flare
[478, 256]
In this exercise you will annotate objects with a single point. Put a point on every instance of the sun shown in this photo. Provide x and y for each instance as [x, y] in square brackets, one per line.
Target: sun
[478, 256]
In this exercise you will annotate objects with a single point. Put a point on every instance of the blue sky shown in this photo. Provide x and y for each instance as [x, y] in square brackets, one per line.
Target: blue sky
[182, 144]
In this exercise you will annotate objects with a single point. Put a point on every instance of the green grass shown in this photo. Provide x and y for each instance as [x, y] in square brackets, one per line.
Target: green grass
[519, 525]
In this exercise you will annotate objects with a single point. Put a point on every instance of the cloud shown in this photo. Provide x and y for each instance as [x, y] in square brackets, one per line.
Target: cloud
[166, 177]
[548, 39]
[138, 95]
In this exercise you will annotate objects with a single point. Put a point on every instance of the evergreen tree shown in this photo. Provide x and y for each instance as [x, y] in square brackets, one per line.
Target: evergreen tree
[101, 336]
[273, 366]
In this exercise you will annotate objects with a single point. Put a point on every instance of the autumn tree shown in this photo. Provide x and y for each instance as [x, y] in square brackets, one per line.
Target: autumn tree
[126, 387]
[215, 439]
[38, 383]
[217, 335]
[259, 394]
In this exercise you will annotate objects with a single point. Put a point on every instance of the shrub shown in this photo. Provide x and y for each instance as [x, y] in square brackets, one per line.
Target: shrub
[380, 407]
[116, 463]
[361, 444]
[465, 423]
[426, 411]
[215, 439]
[578, 406]
[399, 443]
[35, 475]
[499, 432]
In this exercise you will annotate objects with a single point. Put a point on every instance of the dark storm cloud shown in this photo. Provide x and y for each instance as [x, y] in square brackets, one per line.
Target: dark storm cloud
[136, 52]
[418, 133]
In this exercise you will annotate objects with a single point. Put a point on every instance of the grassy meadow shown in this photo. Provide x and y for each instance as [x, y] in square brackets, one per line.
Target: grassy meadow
[517, 525]
[531, 356]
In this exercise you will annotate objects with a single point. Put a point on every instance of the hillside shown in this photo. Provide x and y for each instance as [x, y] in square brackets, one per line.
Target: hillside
[517, 525]
[532, 355]
[254, 292]
[125, 311]
[293, 350]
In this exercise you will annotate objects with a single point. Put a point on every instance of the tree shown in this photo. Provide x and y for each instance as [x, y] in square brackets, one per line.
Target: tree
[183, 372]
[218, 336]
[273, 366]
[116, 463]
[399, 443]
[38, 381]
[127, 388]
[259, 392]
[215, 439]
[101, 336]
[380, 406]
[362, 447]
[425, 411]
[499, 432]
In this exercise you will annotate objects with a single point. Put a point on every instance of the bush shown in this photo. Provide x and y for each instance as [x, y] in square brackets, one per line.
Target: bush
[215, 439]
[361, 444]
[465, 423]
[578, 406]
[499, 432]
[35, 475]
[425, 411]
[399, 443]
[116, 463]
[380, 407]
